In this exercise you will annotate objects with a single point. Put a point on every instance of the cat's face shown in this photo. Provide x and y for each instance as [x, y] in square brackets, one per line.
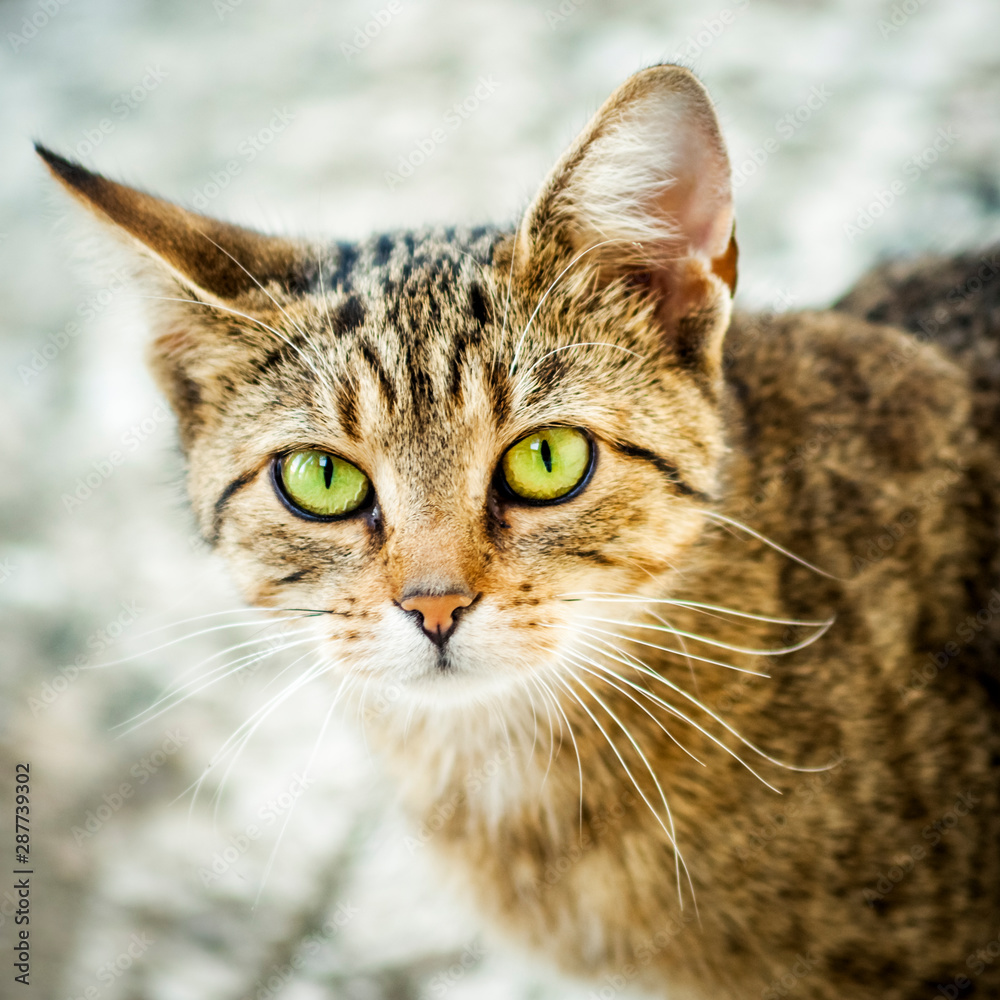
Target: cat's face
[441, 442]
[421, 393]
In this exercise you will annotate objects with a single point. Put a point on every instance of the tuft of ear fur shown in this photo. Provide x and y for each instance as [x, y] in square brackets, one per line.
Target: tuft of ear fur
[644, 193]
[206, 275]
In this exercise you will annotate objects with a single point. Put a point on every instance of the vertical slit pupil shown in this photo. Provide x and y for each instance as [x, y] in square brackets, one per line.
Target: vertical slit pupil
[546, 452]
[327, 465]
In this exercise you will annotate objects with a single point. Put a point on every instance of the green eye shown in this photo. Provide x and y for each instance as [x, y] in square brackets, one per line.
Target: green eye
[547, 464]
[322, 484]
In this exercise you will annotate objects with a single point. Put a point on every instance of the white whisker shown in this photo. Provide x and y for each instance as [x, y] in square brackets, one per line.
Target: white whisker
[510, 280]
[780, 651]
[194, 635]
[725, 519]
[242, 315]
[148, 714]
[582, 658]
[614, 749]
[284, 312]
[594, 343]
[305, 777]
[665, 649]
[541, 301]
[648, 671]
[695, 605]
[673, 710]
[548, 717]
[237, 742]
[576, 749]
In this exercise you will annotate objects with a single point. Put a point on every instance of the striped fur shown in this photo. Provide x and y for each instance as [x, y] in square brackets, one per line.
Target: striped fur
[594, 752]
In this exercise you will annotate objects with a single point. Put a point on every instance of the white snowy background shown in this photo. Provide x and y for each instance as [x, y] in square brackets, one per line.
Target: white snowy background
[167, 95]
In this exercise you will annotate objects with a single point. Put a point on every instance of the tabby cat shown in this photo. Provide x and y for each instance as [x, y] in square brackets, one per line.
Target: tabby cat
[692, 640]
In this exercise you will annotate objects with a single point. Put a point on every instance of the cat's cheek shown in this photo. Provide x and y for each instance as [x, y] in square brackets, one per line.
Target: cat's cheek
[380, 645]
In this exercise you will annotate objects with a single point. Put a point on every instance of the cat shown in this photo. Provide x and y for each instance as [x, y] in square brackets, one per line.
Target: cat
[676, 628]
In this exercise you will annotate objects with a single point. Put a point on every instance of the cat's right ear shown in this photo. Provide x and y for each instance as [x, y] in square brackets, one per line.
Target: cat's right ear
[644, 195]
[225, 263]
[203, 272]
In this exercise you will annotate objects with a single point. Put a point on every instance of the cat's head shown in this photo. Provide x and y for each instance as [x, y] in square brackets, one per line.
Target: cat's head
[444, 439]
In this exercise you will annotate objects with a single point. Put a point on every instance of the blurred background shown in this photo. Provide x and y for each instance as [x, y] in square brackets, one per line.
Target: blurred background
[858, 130]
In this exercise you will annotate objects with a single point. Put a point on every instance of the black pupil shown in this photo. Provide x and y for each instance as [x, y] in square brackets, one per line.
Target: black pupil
[327, 467]
[546, 452]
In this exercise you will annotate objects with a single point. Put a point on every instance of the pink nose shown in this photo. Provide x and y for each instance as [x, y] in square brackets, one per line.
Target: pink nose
[437, 612]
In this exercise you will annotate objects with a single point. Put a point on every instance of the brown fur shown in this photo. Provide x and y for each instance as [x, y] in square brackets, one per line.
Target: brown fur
[866, 457]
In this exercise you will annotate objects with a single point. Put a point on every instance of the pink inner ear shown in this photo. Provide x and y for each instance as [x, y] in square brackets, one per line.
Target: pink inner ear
[698, 201]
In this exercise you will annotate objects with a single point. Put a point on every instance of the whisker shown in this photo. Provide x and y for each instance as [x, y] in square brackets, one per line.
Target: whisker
[305, 776]
[548, 718]
[576, 749]
[663, 649]
[265, 615]
[238, 740]
[614, 749]
[242, 315]
[143, 717]
[673, 710]
[510, 279]
[227, 669]
[684, 649]
[696, 605]
[278, 641]
[781, 651]
[648, 671]
[222, 751]
[541, 301]
[566, 347]
[534, 719]
[582, 658]
[284, 312]
[724, 518]
[192, 635]
[361, 716]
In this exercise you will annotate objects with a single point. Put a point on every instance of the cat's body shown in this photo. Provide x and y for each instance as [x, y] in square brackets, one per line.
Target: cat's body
[844, 882]
[593, 791]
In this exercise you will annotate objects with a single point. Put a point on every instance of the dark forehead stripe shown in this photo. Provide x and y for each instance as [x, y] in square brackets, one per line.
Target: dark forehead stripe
[481, 311]
[345, 259]
[410, 284]
[547, 371]
[347, 408]
[292, 348]
[374, 362]
[347, 316]
[460, 349]
[388, 260]
[500, 391]
[383, 250]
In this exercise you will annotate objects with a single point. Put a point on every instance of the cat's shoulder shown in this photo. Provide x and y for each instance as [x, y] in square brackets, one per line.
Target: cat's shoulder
[871, 390]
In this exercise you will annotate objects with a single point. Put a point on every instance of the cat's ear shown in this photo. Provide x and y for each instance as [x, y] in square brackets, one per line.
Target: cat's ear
[204, 276]
[644, 195]
[222, 261]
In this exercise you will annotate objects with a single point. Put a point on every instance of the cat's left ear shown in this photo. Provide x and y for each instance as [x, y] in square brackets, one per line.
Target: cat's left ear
[644, 195]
